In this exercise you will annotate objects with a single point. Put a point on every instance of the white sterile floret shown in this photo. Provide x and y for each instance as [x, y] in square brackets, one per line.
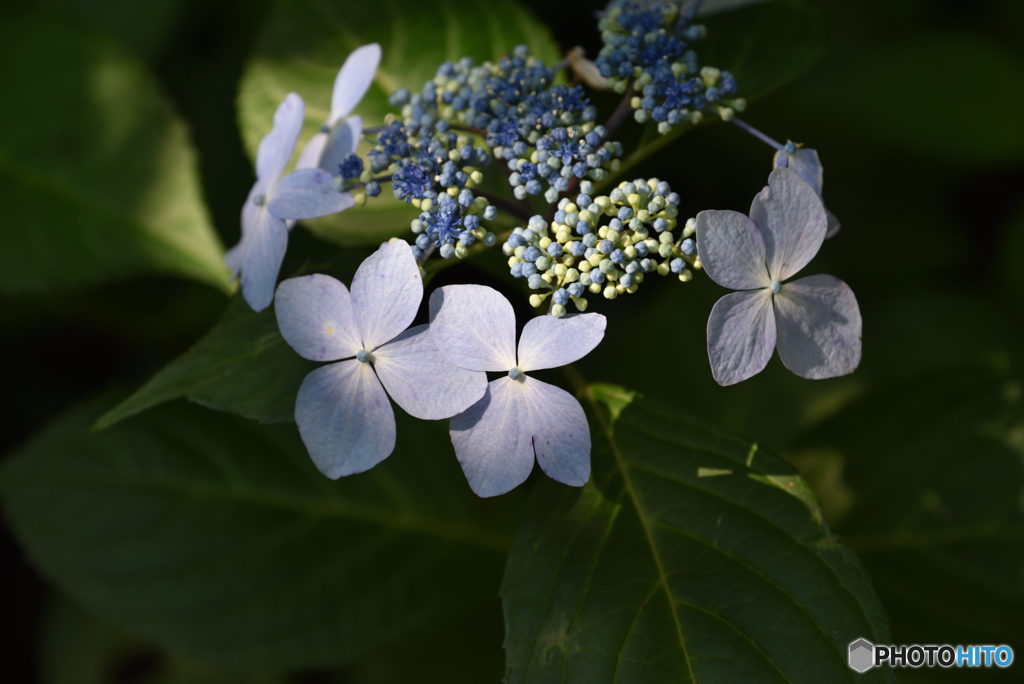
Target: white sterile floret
[342, 412]
[519, 417]
[814, 321]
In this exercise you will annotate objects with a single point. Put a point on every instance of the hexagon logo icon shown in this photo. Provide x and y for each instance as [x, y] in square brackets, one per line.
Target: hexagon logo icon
[862, 655]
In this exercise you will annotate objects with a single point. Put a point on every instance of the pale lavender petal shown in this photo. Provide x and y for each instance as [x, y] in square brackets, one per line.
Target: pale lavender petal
[341, 142]
[561, 434]
[314, 314]
[353, 80]
[731, 249]
[833, 224]
[421, 381]
[474, 327]
[819, 327]
[344, 418]
[309, 158]
[549, 342]
[741, 335]
[807, 165]
[264, 247]
[306, 194]
[492, 439]
[792, 218]
[386, 292]
[277, 146]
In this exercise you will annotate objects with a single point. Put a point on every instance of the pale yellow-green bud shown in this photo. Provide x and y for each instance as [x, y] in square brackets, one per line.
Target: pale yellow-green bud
[691, 227]
[640, 115]
[571, 208]
[536, 300]
[546, 278]
[596, 258]
[560, 270]
[665, 250]
[563, 235]
[632, 288]
[638, 277]
[365, 176]
[520, 251]
[448, 112]
[602, 232]
[557, 310]
[587, 216]
[635, 103]
[663, 269]
[479, 204]
[686, 276]
[665, 238]
[652, 244]
[454, 156]
[594, 287]
[678, 68]
[417, 203]
[696, 117]
[611, 292]
[512, 261]
[545, 242]
[426, 204]
[360, 198]
[476, 178]
[630, 252]
[613, 274]
[453, 191]
[613, 235]
[626, 241]
[644, 215]
[640, 234]
[633, 199]
[620, 88]
[479, 233]
[585, 266]
[568, 259]
[619, 289]
[461, 250]
[697, 265]
[571, 275]
[671, 223]
[508, 250]
[615, 165]
[603, 201]
[671, 211]
[580, 302]
[726, 113]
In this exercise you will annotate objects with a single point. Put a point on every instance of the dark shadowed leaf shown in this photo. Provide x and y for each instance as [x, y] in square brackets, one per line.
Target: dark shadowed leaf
[694, 556]
[97, 176]
[305, 42]
[932, 471]
[216, 538]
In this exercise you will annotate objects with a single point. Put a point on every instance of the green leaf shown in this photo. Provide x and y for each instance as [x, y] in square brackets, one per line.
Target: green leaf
[694, 556]
[933, 478]
[914, 113]
[305, 42]
[216, 538]
[242, 365]
[98, 178]
[145, 28]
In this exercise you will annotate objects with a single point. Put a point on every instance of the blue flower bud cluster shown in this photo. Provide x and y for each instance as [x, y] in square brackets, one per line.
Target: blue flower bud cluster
[649, 46]
[453, 225]
[602, 245]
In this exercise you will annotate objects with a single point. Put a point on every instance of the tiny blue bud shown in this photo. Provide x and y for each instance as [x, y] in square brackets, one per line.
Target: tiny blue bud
[363, 356]
[535, 281]
[561, 296]
[531, 253]
[626, 280]
[605, 246]
[575, 290]
[528, 269]
[490, 212]
[625, 213]
[590, 240]
[617, 256]
[555, 249]
[688, 246]
[677, 265]
[517, 270]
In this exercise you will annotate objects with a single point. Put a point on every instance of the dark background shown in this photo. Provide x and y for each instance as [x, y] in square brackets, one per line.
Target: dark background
[916, 168]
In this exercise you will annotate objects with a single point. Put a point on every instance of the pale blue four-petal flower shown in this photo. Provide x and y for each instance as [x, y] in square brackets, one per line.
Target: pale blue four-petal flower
[519, 418]
[814, 322]
[342, 411]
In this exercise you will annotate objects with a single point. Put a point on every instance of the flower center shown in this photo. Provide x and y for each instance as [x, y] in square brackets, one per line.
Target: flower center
[258, 200]
[364, 356]
[515, 373]
[775, 286]
[324, 128]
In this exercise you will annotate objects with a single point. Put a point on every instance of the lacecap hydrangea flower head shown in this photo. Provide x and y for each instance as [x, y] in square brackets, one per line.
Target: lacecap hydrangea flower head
[519, 418]
[342, 411]
[814, 321]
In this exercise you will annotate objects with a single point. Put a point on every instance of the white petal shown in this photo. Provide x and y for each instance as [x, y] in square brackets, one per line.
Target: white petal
[314, 314]
[277, 146]
[353, 80]
[731, 249]
[474, 327]
[561, 434]
[807, 165]
[819, 327]
[492, 439]
[341, 142]
[264, 246]
[386, 292]
[309, 158]
[549, 342]
[792, 218]
[741, 335]
[421, 381]
[306, 194]
[345, 419]
[833, 224]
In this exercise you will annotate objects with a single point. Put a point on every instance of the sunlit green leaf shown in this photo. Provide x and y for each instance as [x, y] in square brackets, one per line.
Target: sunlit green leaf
[695, 556]
[98, 179]
[216, 537]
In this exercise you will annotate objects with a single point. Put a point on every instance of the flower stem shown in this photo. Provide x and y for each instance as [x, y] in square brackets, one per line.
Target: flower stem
[756, 133]
[621, 112]
[511, 207]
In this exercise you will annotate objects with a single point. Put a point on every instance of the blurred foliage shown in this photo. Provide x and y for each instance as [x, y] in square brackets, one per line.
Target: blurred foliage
[99, 175]
[914, 110]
